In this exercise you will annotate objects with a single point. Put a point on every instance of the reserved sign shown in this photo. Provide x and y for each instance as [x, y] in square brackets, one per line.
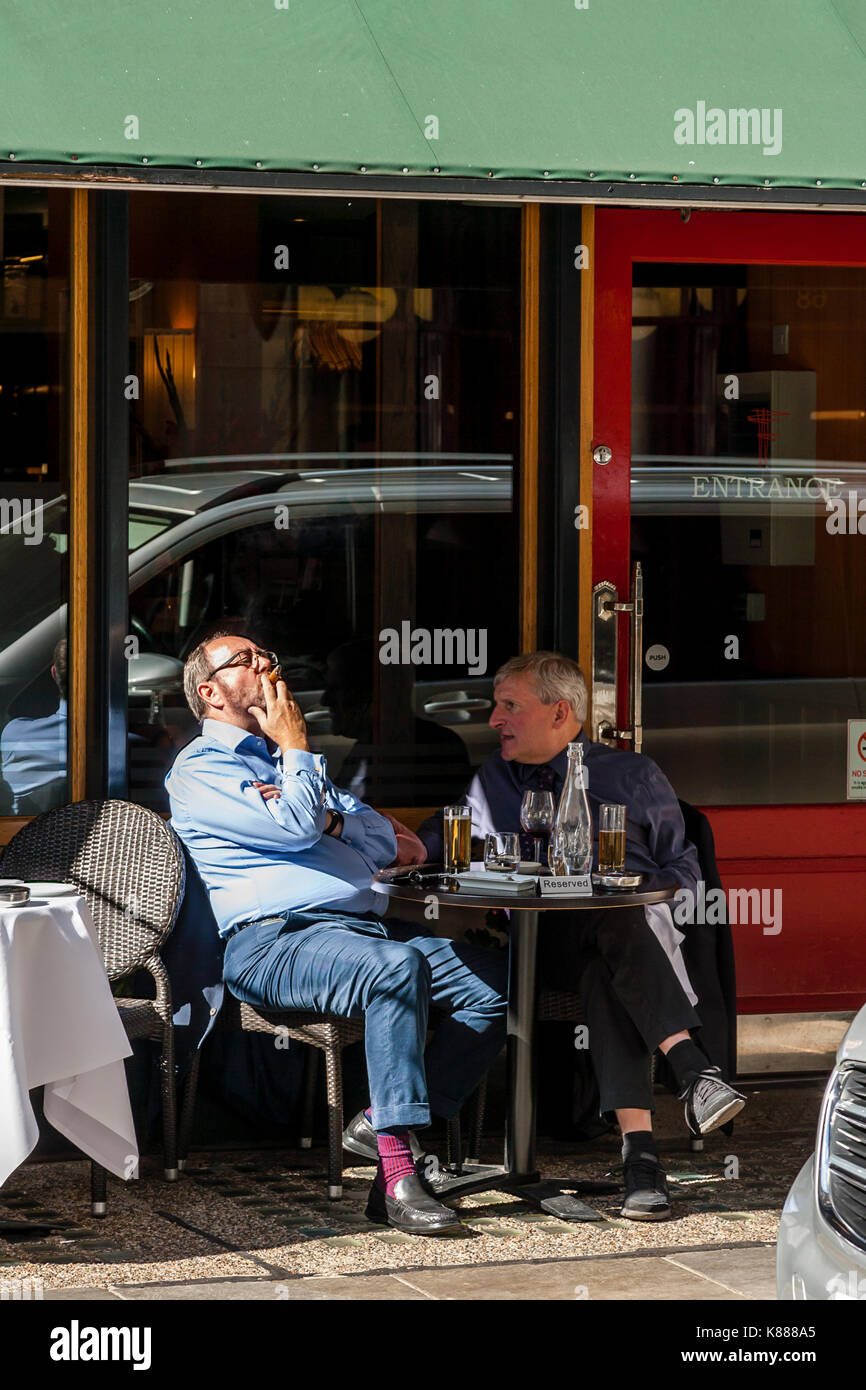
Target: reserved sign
[574, 886]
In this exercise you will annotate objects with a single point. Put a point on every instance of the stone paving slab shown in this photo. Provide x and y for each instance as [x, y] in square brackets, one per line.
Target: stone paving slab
[737, 1274]
[751, 1272]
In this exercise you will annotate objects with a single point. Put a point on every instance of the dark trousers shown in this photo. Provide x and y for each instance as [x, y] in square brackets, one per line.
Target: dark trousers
[631, 997]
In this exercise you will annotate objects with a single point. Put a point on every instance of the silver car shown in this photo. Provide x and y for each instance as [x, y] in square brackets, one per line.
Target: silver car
[821, 1249]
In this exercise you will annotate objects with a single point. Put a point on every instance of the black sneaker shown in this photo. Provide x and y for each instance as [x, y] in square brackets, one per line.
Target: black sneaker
[646, 1188]
[710, 1102]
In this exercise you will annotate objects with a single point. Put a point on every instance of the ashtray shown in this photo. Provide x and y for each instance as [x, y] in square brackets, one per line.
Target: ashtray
[617, 883]
[12, 894]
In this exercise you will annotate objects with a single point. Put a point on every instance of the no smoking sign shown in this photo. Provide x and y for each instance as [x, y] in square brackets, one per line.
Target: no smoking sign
[856, 772]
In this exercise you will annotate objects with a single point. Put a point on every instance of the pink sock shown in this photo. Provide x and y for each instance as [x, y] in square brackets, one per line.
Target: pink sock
[395, 1160]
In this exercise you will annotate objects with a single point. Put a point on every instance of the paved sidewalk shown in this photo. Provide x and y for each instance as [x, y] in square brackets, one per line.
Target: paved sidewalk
[258, 1225]
[727, 1274]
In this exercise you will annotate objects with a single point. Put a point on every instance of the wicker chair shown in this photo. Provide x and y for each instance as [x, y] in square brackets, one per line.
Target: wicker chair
[130, 869]
[326, 1033]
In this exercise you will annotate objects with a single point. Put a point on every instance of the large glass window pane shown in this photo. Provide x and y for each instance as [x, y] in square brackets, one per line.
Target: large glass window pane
[34, 484]
[748, 449]
[323, 454]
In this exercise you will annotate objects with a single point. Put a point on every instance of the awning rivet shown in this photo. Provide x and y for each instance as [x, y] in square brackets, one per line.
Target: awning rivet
[436, 170]
[405, 170]
[258, 164]
[12, 156]
[363, 168]
[315, 166]
[715, 180]
[547, 173]
[198, 163]
[144, 159]
[632, 176]
[817, 183]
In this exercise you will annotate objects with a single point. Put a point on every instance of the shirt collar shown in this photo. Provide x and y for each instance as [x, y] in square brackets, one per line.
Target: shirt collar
[525, 772]
[233, 737]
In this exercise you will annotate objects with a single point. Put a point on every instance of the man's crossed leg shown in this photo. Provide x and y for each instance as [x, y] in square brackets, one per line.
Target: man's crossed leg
[389, 973]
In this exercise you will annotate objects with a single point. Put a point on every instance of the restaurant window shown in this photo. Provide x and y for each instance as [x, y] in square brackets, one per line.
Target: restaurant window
[747, 488]
[34, 486]
[323, 455]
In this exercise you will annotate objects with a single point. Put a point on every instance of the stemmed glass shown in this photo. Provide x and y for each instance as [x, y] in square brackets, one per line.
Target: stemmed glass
[536, 817]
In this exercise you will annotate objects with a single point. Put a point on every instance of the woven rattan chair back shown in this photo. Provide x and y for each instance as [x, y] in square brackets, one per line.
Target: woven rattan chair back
[127, 863]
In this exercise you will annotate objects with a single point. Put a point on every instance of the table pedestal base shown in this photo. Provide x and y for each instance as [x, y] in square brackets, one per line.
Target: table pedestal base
[479, 1177]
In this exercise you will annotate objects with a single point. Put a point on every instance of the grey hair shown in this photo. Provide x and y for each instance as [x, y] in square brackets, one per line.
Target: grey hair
[554, 677]
[195, 670]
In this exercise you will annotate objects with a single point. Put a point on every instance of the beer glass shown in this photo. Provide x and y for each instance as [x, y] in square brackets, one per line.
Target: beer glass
[458, 831]
[611, 838]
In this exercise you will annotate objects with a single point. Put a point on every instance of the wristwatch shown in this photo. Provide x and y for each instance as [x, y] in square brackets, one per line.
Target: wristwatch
[336, 826]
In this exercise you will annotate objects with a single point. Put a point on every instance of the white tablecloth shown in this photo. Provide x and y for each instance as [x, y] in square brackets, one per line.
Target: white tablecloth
[59, 1026]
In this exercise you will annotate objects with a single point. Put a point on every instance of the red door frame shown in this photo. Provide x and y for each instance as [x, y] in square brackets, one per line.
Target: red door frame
[815, 854]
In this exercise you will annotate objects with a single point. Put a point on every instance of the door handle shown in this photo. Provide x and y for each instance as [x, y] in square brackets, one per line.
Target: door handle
[606, 607]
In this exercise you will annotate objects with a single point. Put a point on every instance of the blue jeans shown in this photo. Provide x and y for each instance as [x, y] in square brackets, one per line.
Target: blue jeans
[388, 973]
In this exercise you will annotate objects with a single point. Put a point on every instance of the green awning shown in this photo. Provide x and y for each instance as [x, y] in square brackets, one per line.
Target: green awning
[727, 91]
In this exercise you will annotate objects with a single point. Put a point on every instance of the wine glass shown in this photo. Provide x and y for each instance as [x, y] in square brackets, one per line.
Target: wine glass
[536, 815]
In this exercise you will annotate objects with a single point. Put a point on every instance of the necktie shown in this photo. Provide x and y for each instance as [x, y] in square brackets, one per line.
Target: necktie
[545, 778]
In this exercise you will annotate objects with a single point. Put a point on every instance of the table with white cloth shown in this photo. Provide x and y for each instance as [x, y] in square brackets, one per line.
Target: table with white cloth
[59, 1028]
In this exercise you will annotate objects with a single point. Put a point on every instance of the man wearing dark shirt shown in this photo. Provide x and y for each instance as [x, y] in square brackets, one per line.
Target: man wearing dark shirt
[627, 965]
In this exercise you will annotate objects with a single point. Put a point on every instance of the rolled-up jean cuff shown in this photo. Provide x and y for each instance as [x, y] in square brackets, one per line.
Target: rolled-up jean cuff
[401, 1117]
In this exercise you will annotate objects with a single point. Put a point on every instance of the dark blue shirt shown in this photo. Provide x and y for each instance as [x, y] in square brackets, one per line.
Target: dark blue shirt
[655, 832]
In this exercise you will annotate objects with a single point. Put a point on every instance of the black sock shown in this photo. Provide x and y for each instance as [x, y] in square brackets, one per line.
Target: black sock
[686, 1061]
[638, 1142]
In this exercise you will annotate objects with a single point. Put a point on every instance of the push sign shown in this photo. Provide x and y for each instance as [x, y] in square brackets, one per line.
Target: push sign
[856, 789]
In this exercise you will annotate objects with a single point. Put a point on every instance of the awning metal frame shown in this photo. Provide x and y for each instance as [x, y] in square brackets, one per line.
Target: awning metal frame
[579, 191]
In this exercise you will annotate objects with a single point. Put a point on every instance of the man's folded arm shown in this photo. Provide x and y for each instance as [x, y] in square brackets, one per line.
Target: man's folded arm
[215, 792]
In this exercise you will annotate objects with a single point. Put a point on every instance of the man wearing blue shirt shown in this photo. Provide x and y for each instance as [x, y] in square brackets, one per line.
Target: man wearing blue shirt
[33, 751]
[288, 859]
[627, 965]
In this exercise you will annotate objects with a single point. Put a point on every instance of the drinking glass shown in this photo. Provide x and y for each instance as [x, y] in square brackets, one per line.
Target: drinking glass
[536, 814]
[458, 835]
[502, 851]
[611, 838]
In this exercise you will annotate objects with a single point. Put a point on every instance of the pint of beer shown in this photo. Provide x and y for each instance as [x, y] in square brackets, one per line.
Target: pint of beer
[611, 839]
[458, 832]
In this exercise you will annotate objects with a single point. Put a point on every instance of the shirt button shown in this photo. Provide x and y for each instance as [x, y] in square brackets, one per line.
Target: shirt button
[213, 1011]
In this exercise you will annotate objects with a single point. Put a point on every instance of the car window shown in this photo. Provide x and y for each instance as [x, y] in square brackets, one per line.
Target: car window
[143, 527]
[397, 734]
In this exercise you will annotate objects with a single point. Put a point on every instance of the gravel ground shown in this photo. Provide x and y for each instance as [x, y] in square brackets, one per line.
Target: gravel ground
[264, 1214]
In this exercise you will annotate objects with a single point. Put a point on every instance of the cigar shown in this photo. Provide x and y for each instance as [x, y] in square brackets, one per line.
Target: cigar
[275, 675]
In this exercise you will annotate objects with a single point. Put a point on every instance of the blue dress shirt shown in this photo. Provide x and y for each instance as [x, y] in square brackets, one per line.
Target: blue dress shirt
[258, 858]
[33, 753]
[655, 832]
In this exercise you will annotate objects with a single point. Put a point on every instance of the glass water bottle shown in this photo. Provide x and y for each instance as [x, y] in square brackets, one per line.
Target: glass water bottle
[572, 841]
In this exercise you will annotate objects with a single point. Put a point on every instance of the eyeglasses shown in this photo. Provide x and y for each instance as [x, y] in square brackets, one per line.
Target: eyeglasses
[246, 657]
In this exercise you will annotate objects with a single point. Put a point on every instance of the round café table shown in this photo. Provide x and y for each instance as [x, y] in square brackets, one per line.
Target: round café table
[518, 1170]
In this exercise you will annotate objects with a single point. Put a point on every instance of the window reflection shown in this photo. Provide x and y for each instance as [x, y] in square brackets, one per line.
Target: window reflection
[748, 419]
[324, 448]
[34, 542]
